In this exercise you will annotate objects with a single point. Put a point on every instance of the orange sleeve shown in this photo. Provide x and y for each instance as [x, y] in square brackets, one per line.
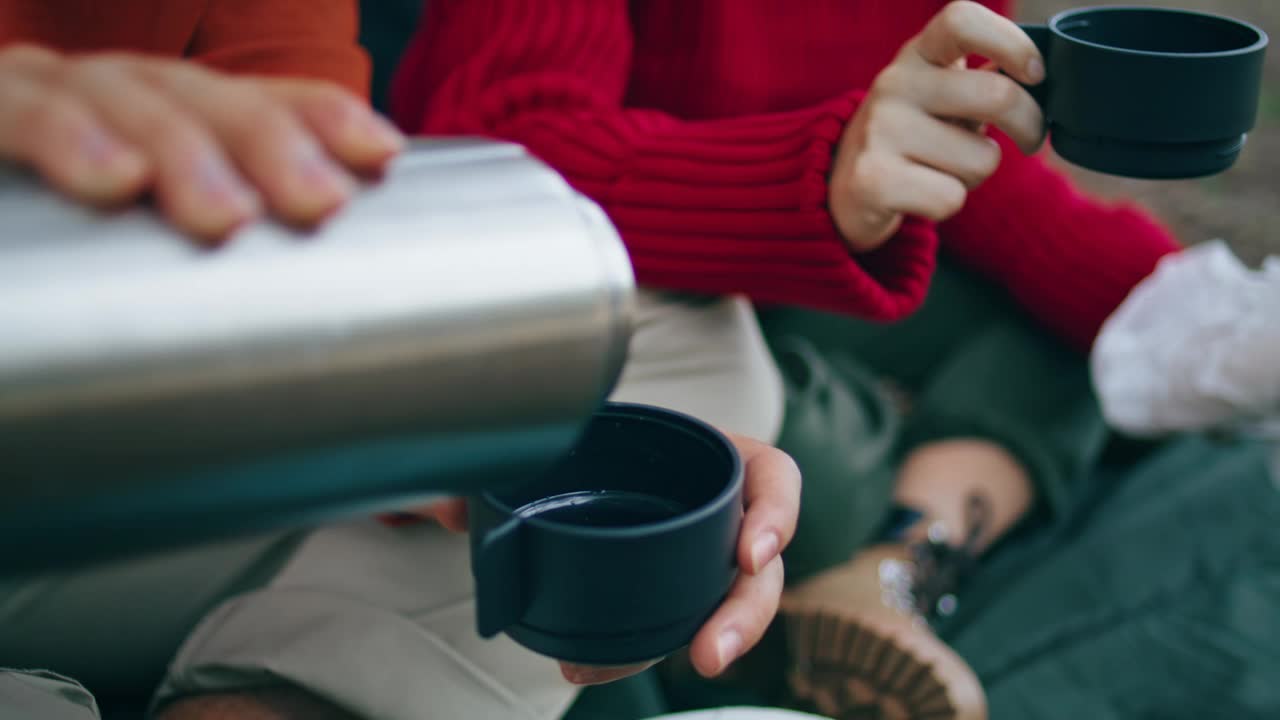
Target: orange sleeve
[298, 38]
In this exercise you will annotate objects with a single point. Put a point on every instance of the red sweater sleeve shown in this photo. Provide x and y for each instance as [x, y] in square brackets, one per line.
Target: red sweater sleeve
[716, 206]
[1066, 257]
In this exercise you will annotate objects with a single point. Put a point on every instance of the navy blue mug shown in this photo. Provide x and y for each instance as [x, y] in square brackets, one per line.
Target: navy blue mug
[621, 552]
[1149, 92]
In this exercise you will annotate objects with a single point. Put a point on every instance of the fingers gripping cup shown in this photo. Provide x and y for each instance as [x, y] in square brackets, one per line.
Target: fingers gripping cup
[1149, 92]
[621, 552]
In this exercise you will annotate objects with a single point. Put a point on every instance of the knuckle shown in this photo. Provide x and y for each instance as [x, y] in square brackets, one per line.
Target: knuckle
[23, 54]
[176, 132]
[1027, 132]
[879, 121]
[1002, 95]
[957, 15]
[170, 76]
[323, 98]
[77, 72]
[328, 94]
[273, 126]
[789, 469]
[257, 112]
[330, 104]
[98, 71]
[893, 80]
[49, 114]
[774, 579]
[868, 176]
[759, 604]
[247, 93]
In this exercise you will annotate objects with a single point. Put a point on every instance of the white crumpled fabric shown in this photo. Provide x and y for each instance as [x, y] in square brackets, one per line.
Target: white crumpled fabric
[1195, 346]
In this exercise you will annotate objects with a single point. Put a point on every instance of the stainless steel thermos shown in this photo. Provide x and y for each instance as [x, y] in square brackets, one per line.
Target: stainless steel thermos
[468, 296]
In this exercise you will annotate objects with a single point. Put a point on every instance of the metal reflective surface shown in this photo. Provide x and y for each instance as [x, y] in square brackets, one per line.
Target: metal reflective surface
[471, 291]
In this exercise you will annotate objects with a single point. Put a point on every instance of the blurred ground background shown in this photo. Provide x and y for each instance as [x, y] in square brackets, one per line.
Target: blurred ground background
[1241, 205]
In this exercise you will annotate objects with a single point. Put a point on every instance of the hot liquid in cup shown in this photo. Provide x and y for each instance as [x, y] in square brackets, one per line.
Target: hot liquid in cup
[621, 552]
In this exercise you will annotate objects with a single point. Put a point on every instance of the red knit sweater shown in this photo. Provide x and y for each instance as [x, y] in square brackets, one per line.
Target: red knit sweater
[706, 130]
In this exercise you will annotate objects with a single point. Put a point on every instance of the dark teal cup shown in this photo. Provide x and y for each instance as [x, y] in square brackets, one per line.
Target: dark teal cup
[1149, 92]
[620, 553]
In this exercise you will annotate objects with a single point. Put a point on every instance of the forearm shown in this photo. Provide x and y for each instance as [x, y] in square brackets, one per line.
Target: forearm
[736, 205]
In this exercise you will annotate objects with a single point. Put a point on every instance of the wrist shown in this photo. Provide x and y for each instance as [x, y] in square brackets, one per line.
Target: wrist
[843, 205]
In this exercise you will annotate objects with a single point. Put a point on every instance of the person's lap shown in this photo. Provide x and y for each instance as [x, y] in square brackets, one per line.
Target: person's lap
[115, 626]
[360, 615]
[706, 357]
[1155, 567]
[1168, 581]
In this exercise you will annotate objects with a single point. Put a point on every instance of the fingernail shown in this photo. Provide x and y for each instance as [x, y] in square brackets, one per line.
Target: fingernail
[384, 133]
[318, 170]
[105, 153]
[99, 148]
[1035, 70]
[219, 183]
[728, 646]
[763, 550]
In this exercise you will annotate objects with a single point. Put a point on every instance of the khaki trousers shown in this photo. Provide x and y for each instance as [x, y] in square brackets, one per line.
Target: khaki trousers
[378, 620]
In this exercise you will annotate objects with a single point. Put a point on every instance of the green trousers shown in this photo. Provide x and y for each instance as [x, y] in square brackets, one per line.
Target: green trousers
[1146, 581]
[967, 365]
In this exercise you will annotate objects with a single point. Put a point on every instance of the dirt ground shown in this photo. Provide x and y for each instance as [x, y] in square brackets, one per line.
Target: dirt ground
[1241, 205]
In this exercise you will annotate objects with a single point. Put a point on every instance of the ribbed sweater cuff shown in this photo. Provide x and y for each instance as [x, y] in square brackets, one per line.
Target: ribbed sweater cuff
[741, 206]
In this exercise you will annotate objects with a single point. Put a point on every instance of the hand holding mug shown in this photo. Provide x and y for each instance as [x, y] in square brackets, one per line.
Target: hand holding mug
[916, 144]
[635, 545]
[771, 497]
[771, 494]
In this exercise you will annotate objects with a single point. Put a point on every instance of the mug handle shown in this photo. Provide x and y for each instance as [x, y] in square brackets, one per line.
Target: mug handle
[499, 575]
[1042, 36]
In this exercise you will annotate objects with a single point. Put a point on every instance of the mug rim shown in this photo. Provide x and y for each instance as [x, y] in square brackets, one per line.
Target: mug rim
[673, 419]
[1259, 43]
